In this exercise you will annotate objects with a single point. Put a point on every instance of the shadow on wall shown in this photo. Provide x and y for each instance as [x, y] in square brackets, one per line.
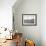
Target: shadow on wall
[17, 4]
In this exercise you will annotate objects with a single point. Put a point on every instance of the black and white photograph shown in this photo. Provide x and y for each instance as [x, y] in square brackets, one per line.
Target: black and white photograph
[29, 19]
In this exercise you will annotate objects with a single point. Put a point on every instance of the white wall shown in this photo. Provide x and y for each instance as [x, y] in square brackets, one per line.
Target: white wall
[28, 7]
[43, 22]
[6, 13]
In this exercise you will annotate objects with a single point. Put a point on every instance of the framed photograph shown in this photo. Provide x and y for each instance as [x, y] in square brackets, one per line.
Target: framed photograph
[29, 19]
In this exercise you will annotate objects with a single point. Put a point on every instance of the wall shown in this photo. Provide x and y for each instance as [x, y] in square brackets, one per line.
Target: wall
[28, 7]
[6, 13]
[43, 22]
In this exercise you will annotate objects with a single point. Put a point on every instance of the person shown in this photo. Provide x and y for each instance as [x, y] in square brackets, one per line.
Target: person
[18, 40]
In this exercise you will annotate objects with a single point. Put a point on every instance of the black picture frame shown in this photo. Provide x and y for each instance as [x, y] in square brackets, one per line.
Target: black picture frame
[29, 19]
